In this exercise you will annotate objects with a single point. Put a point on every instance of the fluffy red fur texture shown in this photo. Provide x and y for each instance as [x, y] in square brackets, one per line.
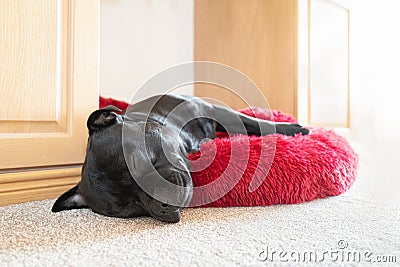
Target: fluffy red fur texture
[303, 168]
[104, 102]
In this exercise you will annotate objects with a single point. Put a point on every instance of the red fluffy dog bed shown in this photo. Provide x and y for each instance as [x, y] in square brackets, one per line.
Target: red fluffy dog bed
[302, 168]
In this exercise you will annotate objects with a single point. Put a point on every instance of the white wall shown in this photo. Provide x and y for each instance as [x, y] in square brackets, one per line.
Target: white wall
[374, 91]
[375, 69]
[139, 38]
[375, 94]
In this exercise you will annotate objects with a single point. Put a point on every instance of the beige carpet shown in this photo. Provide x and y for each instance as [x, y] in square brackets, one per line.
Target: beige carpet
[33, 236]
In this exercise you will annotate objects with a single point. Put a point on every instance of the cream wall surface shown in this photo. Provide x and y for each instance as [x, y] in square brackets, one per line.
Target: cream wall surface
[140, 38]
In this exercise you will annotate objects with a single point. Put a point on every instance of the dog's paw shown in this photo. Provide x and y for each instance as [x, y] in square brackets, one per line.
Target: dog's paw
[291, 129]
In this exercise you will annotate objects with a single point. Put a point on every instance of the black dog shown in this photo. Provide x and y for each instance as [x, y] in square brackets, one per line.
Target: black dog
[172, 126]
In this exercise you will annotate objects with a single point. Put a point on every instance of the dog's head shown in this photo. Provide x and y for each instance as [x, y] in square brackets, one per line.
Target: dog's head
[114, 165]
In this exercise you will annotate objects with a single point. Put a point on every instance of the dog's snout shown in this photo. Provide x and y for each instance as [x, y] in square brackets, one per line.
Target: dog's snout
[165, 212]
[164, 208]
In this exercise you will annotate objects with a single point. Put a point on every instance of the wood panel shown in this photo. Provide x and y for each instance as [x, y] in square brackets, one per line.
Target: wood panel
[34, 50]
[29, 53]
[49, 79]
[36, 185]
[257, 37]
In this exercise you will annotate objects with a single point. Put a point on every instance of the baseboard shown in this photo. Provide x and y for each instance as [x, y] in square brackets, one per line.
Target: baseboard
[23, 186]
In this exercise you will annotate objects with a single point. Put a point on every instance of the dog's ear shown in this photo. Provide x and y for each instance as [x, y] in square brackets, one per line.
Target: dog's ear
[70, 200]
[102, 118]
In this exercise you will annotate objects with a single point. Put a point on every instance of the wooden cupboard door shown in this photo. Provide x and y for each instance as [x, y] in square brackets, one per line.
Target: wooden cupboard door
[257, 37]
[48, 80]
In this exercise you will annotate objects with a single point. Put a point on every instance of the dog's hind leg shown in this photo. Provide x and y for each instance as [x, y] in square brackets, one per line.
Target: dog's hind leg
[231, 121]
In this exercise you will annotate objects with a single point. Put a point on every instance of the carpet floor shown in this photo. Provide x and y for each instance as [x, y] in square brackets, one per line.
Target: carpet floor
[345, 230]
[358, 228]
